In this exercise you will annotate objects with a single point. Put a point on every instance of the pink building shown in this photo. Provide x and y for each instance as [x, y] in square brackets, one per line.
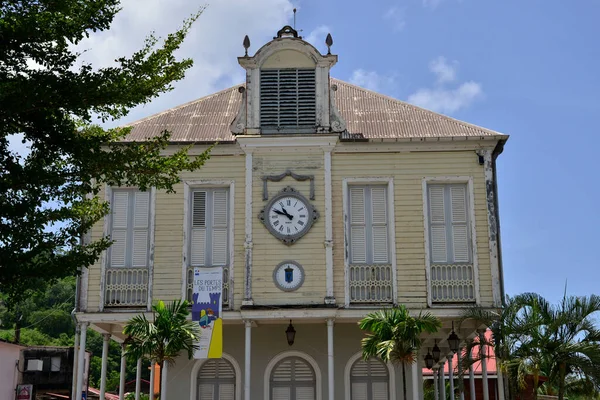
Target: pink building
[490, 363]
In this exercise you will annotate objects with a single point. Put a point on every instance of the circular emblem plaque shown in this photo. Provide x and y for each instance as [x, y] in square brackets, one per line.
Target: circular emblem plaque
[288, 276]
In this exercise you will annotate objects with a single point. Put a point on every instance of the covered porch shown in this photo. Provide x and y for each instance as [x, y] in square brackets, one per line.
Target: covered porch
[322, 362]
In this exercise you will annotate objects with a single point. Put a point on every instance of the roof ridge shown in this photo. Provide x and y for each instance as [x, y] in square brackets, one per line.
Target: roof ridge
[420, 109]
[189, 103]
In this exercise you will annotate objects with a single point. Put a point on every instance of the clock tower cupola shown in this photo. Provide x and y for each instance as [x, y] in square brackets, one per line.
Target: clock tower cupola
[287, 89]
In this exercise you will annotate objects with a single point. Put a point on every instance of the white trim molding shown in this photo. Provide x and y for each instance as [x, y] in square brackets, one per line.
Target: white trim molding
[329, 293]
[468, 180]
[198, 365]
[188, 186]
[348, 370]
[294, 353]
[281, 144]
[346, 182]
[249, 217]
[151, 253]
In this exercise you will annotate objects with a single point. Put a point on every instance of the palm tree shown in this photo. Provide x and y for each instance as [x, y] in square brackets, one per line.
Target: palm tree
[573, 344]
[513, 340]
[394, 336]
[533, 337]
[165, 337]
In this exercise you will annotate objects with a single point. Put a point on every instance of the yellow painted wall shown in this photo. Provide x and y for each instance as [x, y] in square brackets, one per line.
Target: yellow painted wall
[168, 236]
[407, 170]
[308, 251]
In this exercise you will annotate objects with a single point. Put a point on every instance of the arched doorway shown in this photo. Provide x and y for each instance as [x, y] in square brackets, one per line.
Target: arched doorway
[293, 378]
[216, 380]
[369, 380]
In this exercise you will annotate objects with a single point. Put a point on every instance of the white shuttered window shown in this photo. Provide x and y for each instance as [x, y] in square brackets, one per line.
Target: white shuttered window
[293, 379]
[449, 231]
[369, 380]
[369, 242]
[209, 227]
[130, 223]
[216, 380]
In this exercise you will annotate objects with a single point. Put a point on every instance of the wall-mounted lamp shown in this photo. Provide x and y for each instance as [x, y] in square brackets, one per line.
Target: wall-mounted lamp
[428, 360]
[290, 333]
[453, 340]
[436, 352]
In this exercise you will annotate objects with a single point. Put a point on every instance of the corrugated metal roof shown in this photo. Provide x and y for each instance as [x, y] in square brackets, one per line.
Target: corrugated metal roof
[369, 115]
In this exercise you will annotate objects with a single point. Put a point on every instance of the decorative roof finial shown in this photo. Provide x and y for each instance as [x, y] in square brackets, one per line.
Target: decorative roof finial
[329, 43]
[246, 45]
[294, 18]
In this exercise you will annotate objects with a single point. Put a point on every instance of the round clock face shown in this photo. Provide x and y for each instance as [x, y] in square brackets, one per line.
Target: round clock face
[288, 216]
[288, 276]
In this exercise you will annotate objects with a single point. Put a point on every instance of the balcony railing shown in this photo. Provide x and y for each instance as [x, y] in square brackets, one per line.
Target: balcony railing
[126, 287]
[370, 283]
[225, 290]
[452, 283]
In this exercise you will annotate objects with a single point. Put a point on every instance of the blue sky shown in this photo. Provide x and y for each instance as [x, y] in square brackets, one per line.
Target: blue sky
[537, 64]
[525, 68]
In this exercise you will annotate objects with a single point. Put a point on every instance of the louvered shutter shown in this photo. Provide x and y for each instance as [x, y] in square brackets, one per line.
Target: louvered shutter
[379, 390]
[198, 234]
[305, 393]
[141, 211]
[460, 237]
[282, 393]
[359, 391]
[219, 228]
[216, 380]
[206, 391]
[287, 98]
[358, 240]
[226, 391]
[302, 371]
[369, 380]
[379, 223]
[120, 215]
[437, 224]
[283, 372]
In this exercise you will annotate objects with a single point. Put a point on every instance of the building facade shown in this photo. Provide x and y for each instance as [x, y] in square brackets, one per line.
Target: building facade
[322, 202]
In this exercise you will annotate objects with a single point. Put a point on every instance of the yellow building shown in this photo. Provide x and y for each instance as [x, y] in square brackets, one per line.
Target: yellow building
[322, 202]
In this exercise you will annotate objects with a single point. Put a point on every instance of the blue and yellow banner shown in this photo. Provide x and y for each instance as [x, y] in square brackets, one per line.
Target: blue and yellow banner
[207, 311]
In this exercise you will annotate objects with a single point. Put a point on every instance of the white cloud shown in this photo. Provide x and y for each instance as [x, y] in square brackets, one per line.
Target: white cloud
[317, 37]
[371, 80]
[396, 16]
[447, 101]
[212, 44]
[441, 98]
[445, 72]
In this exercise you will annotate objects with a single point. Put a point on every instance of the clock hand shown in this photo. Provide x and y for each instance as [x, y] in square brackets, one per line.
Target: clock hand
[286, 213]
[278, 212]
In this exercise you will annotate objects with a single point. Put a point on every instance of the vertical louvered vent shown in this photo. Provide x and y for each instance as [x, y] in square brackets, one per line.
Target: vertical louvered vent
[287, 98]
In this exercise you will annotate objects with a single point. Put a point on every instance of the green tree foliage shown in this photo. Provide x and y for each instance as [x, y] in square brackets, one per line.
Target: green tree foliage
[38, 330]
[44, 210]
[165, 337]
[48, 311]
[394, 336]
[532, 337]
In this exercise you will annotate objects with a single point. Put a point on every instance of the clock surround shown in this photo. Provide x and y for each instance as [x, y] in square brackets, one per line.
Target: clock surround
[291, 223]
